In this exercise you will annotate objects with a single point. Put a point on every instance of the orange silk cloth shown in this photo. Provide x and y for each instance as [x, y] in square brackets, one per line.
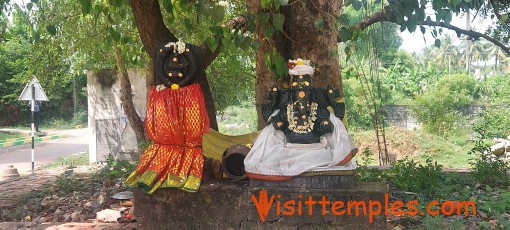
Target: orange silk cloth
[175, 122]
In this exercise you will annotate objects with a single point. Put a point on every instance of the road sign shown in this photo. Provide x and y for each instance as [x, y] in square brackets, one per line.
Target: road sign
[38, 95]
[33, 92]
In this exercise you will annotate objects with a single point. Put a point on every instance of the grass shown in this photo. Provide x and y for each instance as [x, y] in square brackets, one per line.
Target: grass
[4, 136]
[417, 145]
[75, 159]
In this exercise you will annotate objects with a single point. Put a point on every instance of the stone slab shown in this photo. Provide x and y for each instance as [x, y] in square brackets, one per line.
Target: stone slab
[322, 180]
[224, 204]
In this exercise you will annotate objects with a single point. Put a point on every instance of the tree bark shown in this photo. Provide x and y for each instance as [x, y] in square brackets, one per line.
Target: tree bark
[301, 40]
[126, 97]
[154, 33]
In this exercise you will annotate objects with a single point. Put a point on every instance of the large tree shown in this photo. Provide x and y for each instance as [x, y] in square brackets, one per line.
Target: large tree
[310, 29]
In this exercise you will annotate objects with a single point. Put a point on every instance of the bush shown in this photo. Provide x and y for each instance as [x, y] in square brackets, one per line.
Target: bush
[115, 169]
[408, 175]
[488, 169]
[438, 108]
[495, 122]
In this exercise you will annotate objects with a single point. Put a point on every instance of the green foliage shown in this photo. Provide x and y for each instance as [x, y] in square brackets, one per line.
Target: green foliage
[495, 89]
[237, 120]
[367, 158]
[438, 108]
[232, 80]
[495, 122]
[114, 169]
[67, 182]
[440, 222]
[408, 175]
[357, 105]
[488, 169]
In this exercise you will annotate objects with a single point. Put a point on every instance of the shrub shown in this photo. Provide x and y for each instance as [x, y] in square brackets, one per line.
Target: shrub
[408, 175]
[438, 108]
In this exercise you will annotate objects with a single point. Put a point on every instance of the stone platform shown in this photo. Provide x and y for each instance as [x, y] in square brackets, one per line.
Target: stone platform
[225, 204]
[312, 180]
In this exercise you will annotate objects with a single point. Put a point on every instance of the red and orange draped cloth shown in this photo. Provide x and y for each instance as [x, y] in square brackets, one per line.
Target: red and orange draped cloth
[176, 120]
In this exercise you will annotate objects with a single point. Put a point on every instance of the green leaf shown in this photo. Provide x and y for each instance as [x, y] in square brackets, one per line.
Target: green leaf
[437, 43]
[357, 5]
[29, 6]
[503, 19]
[265, 3]
[51, 29]
[217, 30]
[86, 6]
[447, 17]
[281, 2]
[217, 14]
[212, 43]
[264, 18]
[345, 34]
[187, 24]
[115, 35]
[343, 20]
[269, 31]
[278, 20]
[124, 40]
[318, 23]
[280, 66]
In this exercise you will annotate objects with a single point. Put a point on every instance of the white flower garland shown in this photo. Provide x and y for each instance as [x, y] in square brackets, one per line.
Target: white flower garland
[293, 120]
[179, 46]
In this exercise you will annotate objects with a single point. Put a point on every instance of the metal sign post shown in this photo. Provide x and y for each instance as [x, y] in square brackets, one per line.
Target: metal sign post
[33, 92]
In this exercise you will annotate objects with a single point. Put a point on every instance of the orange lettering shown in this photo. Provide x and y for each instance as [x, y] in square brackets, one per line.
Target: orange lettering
[412, 206]
[324, 202]
[371, 211]
[289, 205]
[357, 204]
[395, 208]
[429, 210]
[337, 205]
[262, 204]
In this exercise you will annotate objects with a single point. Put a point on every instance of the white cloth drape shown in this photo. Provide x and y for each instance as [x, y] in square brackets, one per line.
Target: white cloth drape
[272, 155]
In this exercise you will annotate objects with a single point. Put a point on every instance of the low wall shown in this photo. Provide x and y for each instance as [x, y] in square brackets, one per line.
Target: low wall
[224, 204]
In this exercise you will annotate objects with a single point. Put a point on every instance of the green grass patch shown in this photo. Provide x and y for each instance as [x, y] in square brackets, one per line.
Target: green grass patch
[4, 136]
[417, 145]
[75, 159]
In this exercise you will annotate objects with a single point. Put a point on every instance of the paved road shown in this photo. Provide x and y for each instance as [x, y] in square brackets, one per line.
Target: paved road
[46, 151]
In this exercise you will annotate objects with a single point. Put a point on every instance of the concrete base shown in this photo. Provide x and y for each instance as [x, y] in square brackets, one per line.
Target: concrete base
[224, 204]
[41, 134]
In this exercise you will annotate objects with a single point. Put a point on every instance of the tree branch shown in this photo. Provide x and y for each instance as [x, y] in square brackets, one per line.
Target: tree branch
[151, 26]
[386, 16]
[473, 34]
[496, 9]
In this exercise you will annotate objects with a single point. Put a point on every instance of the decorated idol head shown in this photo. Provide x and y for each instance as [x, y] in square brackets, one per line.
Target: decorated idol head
[300, 73]
[176, 65]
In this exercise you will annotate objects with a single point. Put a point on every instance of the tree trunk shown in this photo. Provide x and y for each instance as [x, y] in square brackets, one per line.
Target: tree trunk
[301, 40]
[154, 33]
[126, 97]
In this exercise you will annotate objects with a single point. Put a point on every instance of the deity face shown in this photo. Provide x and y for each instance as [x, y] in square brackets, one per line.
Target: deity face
[176, 64]
[300, 82]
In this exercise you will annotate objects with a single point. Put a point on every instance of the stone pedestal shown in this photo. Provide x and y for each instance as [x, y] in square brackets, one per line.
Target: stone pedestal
[225, 204]
[312, 180]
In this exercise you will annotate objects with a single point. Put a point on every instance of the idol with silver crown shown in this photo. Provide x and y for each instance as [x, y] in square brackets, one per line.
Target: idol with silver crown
[304, 133]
